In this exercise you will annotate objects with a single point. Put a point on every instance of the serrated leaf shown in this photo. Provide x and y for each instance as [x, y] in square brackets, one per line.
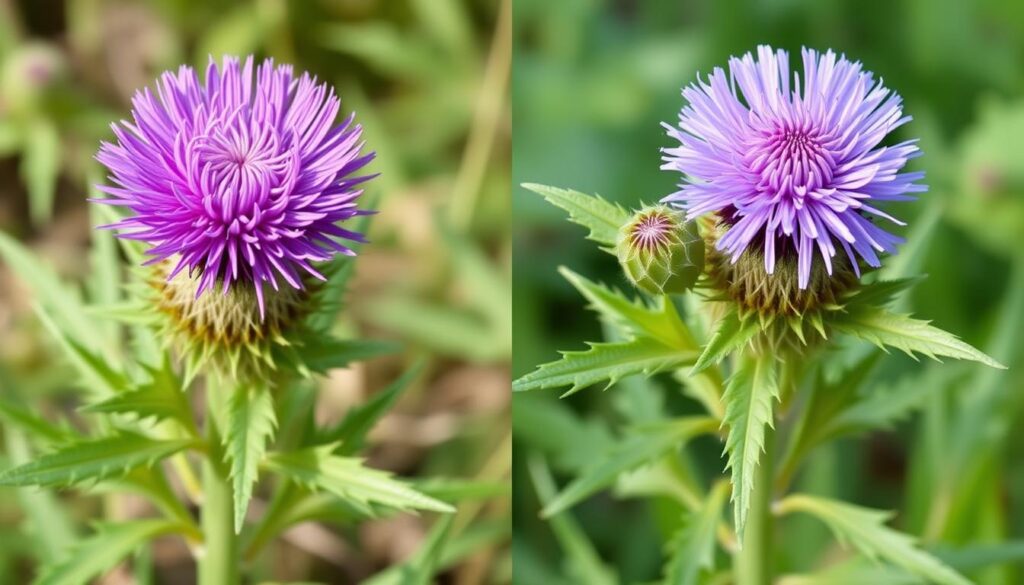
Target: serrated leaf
[352, 430]
[865, 529]
[160, 398]
[749, 397]
[93, 460]
[250, 426]
[602, 218]
[638, 449]
[604, 362]
[887, 329]
[90, 557]
[661, 322]
[346, 477]
[732, 333]
[693, 549]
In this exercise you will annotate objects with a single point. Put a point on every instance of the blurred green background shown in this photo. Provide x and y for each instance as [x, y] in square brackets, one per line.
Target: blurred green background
[428, 80]
[593, 80]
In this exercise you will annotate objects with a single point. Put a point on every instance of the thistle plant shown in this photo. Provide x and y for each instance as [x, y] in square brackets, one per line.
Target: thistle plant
[238, 200]
[784, 176]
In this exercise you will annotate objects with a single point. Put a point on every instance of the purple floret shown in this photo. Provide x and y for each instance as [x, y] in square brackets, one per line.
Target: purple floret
[240, 178]
[792, 167]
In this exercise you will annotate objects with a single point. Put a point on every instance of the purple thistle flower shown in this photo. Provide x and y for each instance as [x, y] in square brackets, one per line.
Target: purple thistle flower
[789, 164]
[238, 179]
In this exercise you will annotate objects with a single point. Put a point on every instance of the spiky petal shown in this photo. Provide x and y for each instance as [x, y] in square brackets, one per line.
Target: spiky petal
[240, 178]
[793, 164]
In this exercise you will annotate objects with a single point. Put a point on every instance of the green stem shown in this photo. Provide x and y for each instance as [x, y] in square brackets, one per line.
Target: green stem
[754, 564]
[218, 565]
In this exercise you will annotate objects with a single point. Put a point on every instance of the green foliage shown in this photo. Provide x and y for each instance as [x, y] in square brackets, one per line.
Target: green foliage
[642, 447]
[89, 460]
[660, 321]
[161, 397]
[604, 362]
[350, 433]
[692, 551]
[886, 329]
[584, 564]
[420, 569]
[320, 469]
[732, 333]
[251, 423]
[865, 530]
[97, 553]
[749, 398]
[603, 219]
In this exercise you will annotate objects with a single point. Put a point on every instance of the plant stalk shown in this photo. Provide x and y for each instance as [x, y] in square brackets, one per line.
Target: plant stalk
[219, 561]
[754, 564]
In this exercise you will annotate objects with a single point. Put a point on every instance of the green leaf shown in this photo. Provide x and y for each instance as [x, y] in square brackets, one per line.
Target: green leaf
[93, 460]
[40, 163]
[882, 292]
[346, 477]
[885, 406]
[352, 430]
[584, 562]
[645, 446]
[749, 395]
[459, 490]
[632, 317]
[604, 362]
[324, 353]
[383, 47]
[61, 301]
[98, 378]
[602, 218]
[866, 531]
[110, 543]
[36, 426]
[693, 549]
[909, 335]
[251, 424]
[420, 569]
[731, 334]
[160, 398]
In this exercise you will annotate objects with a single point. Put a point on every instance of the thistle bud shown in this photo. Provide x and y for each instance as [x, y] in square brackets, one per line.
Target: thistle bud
[660, 252]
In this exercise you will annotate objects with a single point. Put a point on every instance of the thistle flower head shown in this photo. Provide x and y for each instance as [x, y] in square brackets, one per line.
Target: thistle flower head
[793, 164]
[241, 179]
[659, 252]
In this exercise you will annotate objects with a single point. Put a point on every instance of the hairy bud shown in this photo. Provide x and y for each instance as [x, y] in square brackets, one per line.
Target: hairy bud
[660, 252]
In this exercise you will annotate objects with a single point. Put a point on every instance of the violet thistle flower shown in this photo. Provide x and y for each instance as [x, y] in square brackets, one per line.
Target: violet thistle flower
[242, 179]
[793, 165]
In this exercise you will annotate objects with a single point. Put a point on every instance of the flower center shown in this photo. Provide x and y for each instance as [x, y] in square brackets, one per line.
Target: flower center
[651, 231]
[791, 162]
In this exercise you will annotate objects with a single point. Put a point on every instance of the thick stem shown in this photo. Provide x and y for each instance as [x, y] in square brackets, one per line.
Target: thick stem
[218, 564]
[754, 563]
